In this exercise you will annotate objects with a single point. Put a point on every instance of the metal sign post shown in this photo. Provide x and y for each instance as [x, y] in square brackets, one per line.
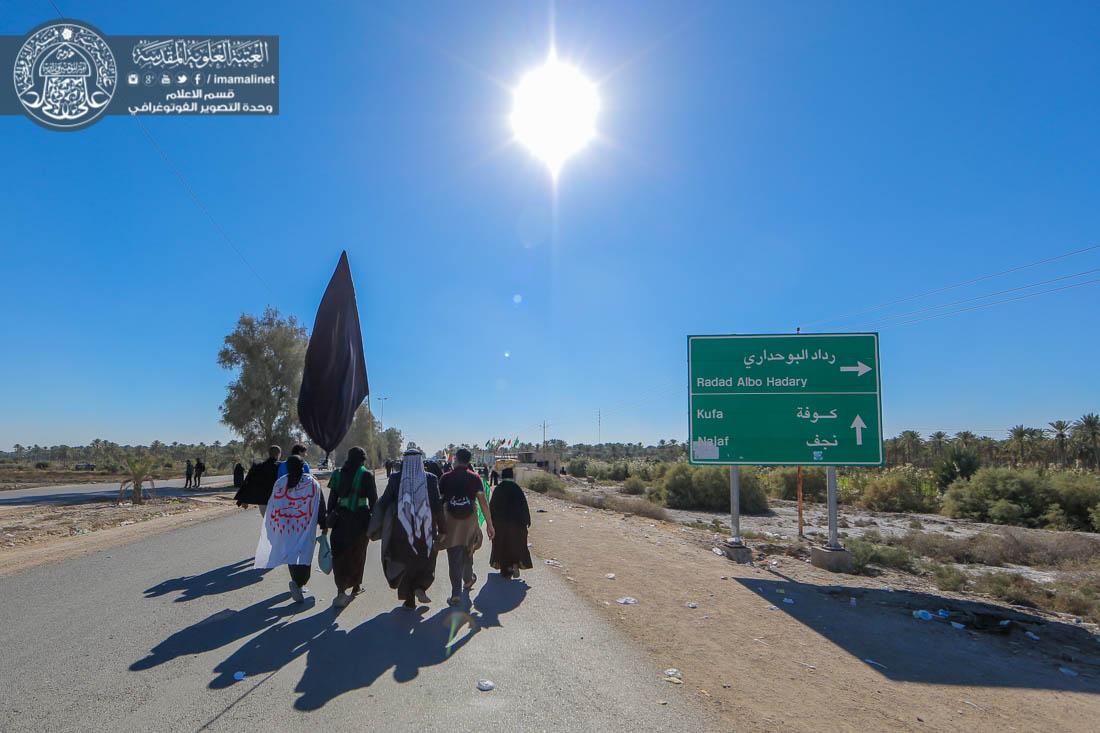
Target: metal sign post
[830, 479]
[735, 506]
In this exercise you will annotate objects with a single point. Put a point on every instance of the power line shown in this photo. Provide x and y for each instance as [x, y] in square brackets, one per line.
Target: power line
[997, 302]
[918, 311]
[945, 288]
[196, 200]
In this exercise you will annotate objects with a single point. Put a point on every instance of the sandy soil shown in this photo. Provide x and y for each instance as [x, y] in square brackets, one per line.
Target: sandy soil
[34, 534]
[787, 646]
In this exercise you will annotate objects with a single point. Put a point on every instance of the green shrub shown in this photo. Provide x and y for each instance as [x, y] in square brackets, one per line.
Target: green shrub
[1094, 515]
[782, 483]
[708, 487]
[1009, 587]
[656, 493]
[634, 486]
[542, 482]
[1004, 511]
[1078, 494]
[1002, 495]
[894, 492]
[959, 463]
[677, 486]
[1055, 518]
[865, 554]
[577, 467]
[949, 577]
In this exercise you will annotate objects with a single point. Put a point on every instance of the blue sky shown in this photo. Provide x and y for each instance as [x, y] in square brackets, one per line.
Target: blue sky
[761, 165]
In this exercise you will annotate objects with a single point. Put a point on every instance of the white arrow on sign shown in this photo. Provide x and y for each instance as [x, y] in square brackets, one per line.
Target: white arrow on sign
[859, 425]
[860, 369]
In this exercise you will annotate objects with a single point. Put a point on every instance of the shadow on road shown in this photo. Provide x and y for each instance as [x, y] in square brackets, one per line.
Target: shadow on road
[881, 628]
[219, 580]
[342, 660]
[219, 629]
[498, 596]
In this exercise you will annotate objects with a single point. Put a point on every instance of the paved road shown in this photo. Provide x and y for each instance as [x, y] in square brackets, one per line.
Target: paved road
[149, 636]
[73, 493]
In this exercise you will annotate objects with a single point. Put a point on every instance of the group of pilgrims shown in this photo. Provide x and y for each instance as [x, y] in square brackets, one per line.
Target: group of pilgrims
[423, 509]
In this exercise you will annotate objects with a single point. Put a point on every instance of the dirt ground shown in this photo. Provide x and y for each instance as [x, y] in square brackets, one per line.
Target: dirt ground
[29, 478]
[781, 524]
[781, 645]
[34, 534]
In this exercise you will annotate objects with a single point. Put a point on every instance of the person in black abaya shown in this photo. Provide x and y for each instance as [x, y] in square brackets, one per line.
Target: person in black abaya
[409, 521]
[352, 496]
[511, 517]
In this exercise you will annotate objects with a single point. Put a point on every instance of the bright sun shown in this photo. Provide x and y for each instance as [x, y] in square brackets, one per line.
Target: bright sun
[554, 112]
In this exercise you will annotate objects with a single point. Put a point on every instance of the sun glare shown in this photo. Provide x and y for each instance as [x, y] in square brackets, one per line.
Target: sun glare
[554, 112]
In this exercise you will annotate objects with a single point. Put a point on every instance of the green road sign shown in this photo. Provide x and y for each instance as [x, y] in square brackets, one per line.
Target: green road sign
[785, 400]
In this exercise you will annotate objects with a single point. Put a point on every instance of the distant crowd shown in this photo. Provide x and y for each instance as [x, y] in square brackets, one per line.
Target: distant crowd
[427, 506]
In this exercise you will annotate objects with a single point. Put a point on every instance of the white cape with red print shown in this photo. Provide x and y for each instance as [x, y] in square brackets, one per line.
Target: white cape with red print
[289, 534]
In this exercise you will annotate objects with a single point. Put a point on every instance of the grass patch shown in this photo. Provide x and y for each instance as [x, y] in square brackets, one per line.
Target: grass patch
[866, 554]
[624, 504]
[1005, 547]
[544, 483]
[949, 577]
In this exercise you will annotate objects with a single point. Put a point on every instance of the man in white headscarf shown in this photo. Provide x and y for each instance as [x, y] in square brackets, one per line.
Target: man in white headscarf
[413, 507]
[408, 521]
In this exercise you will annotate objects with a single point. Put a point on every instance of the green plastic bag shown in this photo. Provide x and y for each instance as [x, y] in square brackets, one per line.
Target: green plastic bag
[488, 491]
[324, 554]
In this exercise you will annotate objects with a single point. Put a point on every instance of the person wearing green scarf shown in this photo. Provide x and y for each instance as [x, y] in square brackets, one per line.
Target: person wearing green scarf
[352, 496]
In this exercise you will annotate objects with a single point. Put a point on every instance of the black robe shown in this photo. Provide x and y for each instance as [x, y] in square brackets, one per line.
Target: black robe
[406, 570]
[258, 483]
[511, 518]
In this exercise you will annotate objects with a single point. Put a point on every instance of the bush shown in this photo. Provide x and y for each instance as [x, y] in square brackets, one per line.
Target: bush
[626, 505]
[542, 482]
[708, 487]
[1094, 515]
[677, 486]
[865, 554]
[894, 492]
[1007, 546]
[633, 486]
[1004, 511]
[1001, 495]
[657, 494]
[1078, 494]
[42, 465]
[782, 483]
[949, 577]
[577, 467]
[959, 463]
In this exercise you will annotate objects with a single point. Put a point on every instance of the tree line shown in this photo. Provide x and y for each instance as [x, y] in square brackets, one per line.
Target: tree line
[1061, 443]
[267, 355]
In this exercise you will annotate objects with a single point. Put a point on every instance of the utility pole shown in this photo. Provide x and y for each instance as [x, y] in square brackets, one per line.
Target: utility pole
[381, 413]
[543, 446]
[599, 427]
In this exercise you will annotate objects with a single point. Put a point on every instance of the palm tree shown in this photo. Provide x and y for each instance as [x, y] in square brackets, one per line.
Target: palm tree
[938, 440]
[910, 443]
[1087, 431]
[1018, 436]
[965, 439]
[1059, 430]
[138, 467]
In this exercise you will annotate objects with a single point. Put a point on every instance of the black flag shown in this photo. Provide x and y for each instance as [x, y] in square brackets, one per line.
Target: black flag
[334, 382]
